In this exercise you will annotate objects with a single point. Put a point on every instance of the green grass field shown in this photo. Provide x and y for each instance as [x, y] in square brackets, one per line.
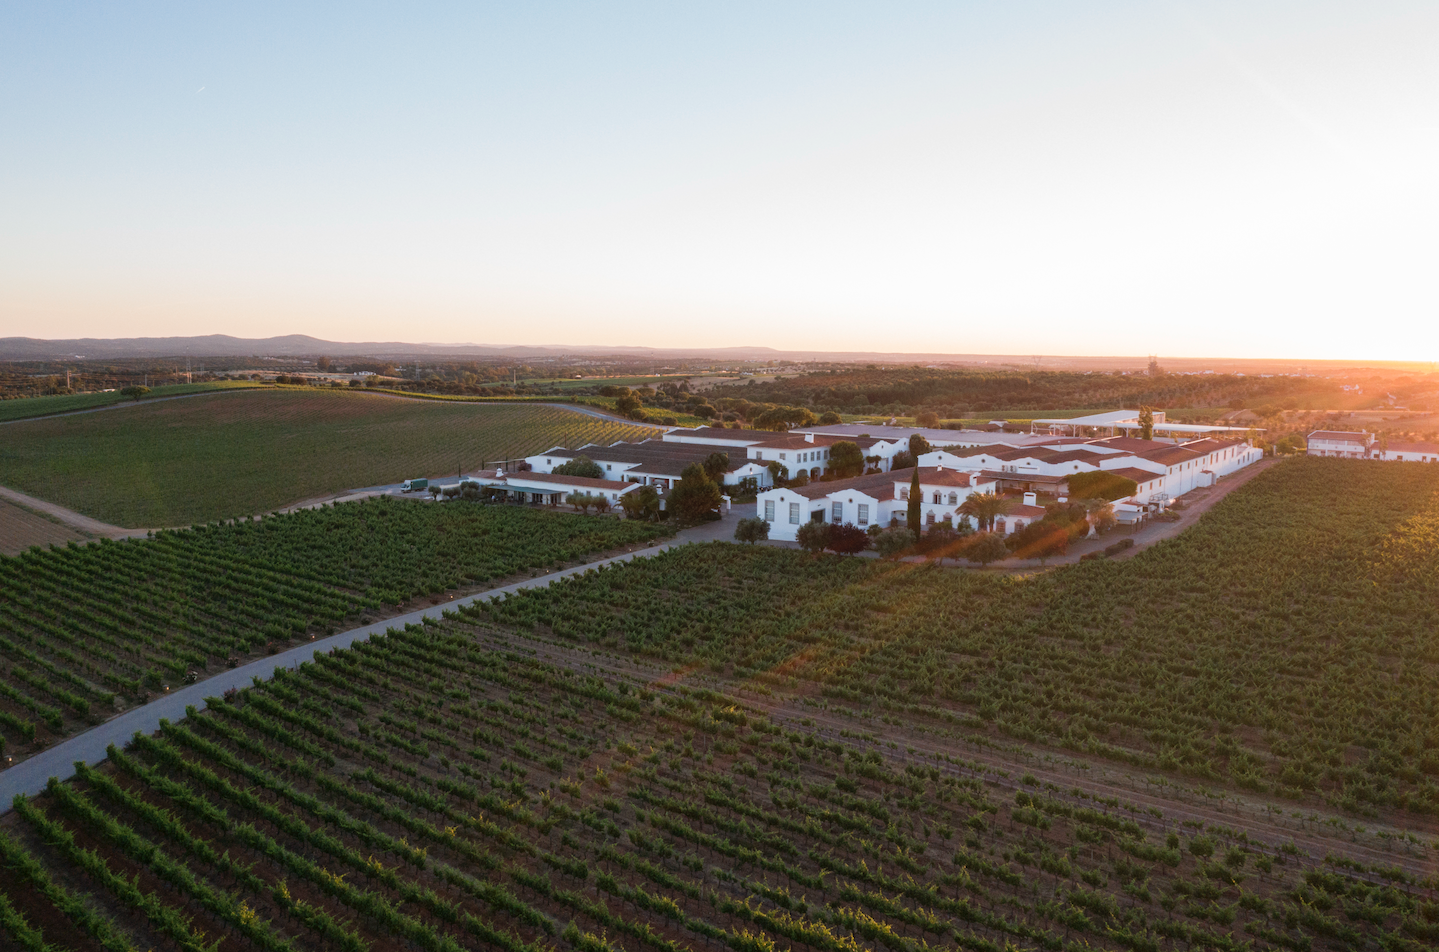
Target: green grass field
[27, 407]
[188, 461]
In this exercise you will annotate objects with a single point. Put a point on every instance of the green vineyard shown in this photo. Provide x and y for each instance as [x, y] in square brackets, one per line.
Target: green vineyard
[426, 790]
[86, 630]
[228, 455]
[1287, 642]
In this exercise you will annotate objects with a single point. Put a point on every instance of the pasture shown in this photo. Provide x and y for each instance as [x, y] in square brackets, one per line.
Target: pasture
[226, 455]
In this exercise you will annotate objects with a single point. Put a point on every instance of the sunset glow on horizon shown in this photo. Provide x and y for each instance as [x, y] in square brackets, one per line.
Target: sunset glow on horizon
[1236, 179]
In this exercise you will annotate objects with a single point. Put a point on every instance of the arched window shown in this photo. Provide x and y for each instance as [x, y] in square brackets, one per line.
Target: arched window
[936, 497]
[953, 498]
[930, 520]
[999, 526]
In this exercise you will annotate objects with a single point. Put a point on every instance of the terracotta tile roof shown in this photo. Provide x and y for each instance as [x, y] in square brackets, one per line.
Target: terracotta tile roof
[1339, 436]
[1413, 448]
[1026, 512]
[934, 476]
[1169, 456]
[1022, 477]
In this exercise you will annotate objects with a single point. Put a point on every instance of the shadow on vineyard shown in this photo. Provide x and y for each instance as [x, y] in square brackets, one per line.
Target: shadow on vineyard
[425, 790]
[88, 630]
[1285, 643]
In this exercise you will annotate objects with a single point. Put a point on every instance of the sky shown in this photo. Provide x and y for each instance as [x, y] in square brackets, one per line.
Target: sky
[1246, 179]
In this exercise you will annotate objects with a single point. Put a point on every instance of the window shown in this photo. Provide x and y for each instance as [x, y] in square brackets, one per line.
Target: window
[936, 497]
[759, 454]
[953, 498]
[784, 456]
[769, 510]
[836, 513]
[864, 513]
[608, 466]
[904, 494]
[930, 518]
[999, 526]
[794, 513]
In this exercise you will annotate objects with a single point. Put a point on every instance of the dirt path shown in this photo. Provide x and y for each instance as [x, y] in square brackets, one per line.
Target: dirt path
[70, 517]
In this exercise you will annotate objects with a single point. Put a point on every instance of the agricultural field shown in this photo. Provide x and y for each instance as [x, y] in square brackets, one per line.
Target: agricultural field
[433, 789]
[230, 455]
[20, 528]
[1285, 644]
[87, 631]
[28, 407]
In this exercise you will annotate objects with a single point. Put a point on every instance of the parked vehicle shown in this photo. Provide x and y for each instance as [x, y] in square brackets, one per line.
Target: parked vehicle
[414, 485]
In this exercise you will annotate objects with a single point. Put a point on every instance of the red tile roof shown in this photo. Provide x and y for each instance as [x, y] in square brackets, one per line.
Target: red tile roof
[1339, 436]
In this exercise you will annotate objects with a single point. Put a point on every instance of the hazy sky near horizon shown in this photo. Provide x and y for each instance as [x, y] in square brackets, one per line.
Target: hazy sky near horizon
[1218, 178]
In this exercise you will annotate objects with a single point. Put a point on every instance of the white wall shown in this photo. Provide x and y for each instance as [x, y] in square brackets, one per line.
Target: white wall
[780, 526]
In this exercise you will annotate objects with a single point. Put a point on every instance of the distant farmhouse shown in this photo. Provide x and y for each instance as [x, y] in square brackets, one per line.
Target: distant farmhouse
[1362, 445]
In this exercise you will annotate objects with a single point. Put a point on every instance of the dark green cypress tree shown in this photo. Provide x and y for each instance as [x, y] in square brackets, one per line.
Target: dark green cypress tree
[914, 503]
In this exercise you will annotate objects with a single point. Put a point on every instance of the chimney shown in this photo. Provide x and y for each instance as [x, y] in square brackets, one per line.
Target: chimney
[1030, 499]
[809, 437]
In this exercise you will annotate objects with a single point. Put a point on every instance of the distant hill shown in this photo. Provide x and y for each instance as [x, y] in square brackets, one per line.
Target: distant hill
[301, 345]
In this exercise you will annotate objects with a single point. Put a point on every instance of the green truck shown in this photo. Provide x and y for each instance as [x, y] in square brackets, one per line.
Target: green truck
[414, 485]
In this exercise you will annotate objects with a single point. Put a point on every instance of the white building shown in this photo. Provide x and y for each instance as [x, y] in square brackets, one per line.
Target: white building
[1410, 452]
[1339, 443]
[1161, 470]
[549, 489]
[876, 499]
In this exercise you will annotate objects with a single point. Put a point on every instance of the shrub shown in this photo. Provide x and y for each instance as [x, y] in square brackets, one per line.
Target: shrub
[893, 542]
[814, 536]
[581, 466]
[847, 539]
[751, 530]
[985, 547]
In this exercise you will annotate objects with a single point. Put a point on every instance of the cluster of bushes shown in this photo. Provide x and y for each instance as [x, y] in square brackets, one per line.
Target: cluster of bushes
[583, 501]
